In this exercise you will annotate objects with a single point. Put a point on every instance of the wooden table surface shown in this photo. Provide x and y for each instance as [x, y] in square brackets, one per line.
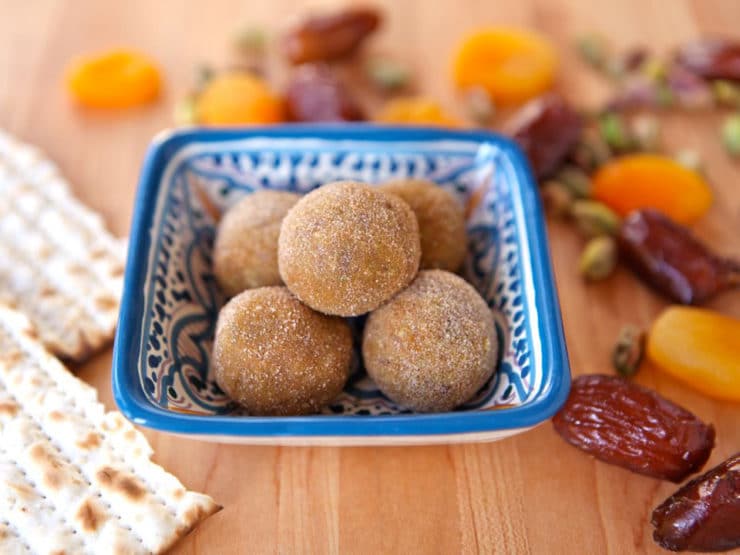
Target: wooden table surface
[527, 494]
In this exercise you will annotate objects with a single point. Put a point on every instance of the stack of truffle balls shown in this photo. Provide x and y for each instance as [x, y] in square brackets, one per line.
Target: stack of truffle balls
[348, 249]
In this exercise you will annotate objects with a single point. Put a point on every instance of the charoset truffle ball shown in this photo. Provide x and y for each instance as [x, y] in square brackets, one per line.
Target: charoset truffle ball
[346, 248]
[433, 345]
[245, 250]
[441, 222]
[275, 356]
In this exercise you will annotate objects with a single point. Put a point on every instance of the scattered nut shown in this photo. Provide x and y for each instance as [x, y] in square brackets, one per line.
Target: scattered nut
[690, 159]
[593, 48]
[557, 198]
[614, 132]
[645, 131]
[629, 350]
[731, 134]
[251, 41]
[387, 75]
[599, 258]
[576, 180]
[480, 105]
[185, 112]
[726, 93]
[594, 219]
[591, 152]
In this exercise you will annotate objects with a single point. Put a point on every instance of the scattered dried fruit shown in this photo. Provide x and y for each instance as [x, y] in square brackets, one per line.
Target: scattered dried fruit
[731, 134]
[712, 58]
[415, 110]
[652, 181]
[703, 515]
[314, 93]
[622, 423]
[593, 218]
[599, 258]
[330, 36]
[628, 351]
[670, 259]
[700, 348]
[235, 98]
[513, 65]
[688, 89]
[115, 79]
[388, 75]
[547, 129]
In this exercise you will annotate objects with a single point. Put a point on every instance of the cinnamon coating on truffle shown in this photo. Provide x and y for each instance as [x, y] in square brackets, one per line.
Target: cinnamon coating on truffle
[346, 248]
[275, 356]
[245, 249]
[441, 222]
[433, 346]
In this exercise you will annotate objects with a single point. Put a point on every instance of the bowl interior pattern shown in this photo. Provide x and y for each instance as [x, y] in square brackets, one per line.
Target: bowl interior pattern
[181, 299]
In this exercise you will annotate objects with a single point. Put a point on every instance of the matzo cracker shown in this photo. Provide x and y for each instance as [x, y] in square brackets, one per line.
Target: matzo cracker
[74, 478]
[58, 263]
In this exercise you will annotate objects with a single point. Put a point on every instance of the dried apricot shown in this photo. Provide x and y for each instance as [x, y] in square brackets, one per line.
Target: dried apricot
[700, 348]
[652, 181]
[238, 98]
[115, 79]
[415, 110]
[513, 65]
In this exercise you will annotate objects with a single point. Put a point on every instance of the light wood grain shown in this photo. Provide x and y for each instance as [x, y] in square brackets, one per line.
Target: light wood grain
[527, 494]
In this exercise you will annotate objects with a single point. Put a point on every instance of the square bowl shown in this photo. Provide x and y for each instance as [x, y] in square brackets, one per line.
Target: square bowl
[161, 374]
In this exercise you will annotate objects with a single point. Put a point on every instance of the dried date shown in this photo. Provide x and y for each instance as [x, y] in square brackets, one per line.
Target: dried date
[330, 36]
[627, 425]
[316, 94]
[712, 58]
[703, 515]
[670, 259]
[547, 129]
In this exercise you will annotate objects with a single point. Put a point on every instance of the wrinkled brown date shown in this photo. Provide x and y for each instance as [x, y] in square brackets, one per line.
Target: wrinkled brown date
[547, 129]
[330, 36]
[314, 93]
[622, 423]
[670, 259]
[712, 58]
[704, 515]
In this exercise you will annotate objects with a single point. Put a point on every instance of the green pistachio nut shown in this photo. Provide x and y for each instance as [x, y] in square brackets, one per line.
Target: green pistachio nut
[594, 219]
[599, 258]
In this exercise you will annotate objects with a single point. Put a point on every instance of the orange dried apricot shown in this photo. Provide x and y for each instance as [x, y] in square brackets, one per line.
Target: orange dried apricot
[652, 181]
[115, 79]
[700, 348]
[238, 98]
[513, 65]
[415, 110]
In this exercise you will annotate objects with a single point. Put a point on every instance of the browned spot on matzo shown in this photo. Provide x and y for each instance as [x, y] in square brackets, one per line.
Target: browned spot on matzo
[92, 440]
[106, 302]
[56, 416]
[8, 408]
[91, 515]
[120, 482]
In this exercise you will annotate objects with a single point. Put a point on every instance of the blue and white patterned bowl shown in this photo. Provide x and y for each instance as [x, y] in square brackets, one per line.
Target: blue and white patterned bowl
[161, 375]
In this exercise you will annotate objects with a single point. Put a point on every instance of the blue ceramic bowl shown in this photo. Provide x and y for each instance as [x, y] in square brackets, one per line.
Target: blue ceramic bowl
[161, 374]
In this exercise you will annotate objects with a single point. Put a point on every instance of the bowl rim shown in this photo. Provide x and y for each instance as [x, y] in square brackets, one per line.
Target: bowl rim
[132, 401]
